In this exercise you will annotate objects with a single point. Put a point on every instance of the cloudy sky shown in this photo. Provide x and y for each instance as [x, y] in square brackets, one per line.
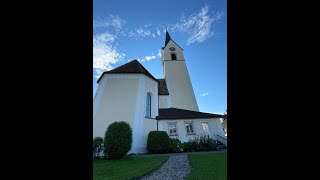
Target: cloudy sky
[124, 30]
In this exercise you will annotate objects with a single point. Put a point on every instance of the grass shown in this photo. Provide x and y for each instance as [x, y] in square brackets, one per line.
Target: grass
[208, 166]
[127, 168]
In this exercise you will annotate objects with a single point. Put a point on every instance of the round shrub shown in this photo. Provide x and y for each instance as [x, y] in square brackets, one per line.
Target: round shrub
[118, 140]
[97, 146]
[158, 142]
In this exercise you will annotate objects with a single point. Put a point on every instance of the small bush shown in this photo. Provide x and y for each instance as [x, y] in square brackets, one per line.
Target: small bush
[97, 146]
[118, 140]
[185, 146]
[206, 143]
[194, 144]
[175, 145]
[202, 143]
[158, 142]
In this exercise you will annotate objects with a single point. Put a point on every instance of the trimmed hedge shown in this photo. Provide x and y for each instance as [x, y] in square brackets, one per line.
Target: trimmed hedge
[118, 140]
[158, 142]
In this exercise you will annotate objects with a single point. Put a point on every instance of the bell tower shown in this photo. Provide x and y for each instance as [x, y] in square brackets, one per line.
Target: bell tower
[177, 78]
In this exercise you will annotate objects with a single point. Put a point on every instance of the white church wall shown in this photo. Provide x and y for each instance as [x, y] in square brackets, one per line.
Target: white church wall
[147, 124]
[123, 98]
[118, 99]
[164, 101]
[179, 86]
[213, 123]
[98, 96]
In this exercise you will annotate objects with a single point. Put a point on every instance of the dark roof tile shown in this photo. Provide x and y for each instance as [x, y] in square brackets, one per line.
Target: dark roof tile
[133, 67]
[168, 38]
[163, 90]
[175, 113]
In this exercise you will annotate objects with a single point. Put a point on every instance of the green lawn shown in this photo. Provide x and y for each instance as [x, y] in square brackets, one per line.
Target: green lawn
[128, 168]
[208, 166]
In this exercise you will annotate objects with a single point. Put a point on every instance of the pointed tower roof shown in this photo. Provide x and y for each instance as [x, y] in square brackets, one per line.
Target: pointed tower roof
[132, 67]
[168, 38]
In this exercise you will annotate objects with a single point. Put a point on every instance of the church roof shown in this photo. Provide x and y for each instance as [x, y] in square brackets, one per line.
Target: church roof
[175, 113]
[132, 67]
[163, 90]
[168, 38]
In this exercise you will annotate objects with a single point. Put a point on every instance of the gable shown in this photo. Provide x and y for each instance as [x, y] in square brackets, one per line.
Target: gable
[170, 44]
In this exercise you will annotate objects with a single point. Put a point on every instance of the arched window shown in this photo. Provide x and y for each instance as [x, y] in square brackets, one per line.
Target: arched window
[173, 57]
[148, 106]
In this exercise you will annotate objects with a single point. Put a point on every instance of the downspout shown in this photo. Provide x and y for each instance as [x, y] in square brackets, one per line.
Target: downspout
[158, 103]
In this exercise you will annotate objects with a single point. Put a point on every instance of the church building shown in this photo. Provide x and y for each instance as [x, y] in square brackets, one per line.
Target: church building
[130, 93]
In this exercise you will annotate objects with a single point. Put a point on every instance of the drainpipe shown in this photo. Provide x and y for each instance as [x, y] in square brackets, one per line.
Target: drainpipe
[158, 103]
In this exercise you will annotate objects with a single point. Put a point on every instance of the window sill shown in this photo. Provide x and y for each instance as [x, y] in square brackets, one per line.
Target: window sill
[192, 134]
[149, 118]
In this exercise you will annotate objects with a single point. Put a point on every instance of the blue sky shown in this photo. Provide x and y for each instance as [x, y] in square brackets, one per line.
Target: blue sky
[124, 30]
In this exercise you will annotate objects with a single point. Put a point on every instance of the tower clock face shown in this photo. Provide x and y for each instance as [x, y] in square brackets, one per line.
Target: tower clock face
[172, 49]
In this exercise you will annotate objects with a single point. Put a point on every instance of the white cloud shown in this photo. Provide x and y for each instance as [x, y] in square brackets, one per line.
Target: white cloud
[159, 53]
[204, 94]
[142, 32]
[112, 20]
[104, 54]
[216, 112]
[198, 25]
[147, 25]
[131, 34]
[148, 58]
[117, 22]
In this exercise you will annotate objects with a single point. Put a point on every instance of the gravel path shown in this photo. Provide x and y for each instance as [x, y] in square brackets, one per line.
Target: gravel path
[177, 167]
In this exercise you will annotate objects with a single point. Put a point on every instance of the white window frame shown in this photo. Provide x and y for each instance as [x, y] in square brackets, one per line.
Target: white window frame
[169, 127]
[206, 122]
[193, 128]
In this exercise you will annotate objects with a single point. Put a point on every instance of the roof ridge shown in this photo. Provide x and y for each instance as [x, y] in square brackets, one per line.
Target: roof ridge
[133, 66]
[140, 65]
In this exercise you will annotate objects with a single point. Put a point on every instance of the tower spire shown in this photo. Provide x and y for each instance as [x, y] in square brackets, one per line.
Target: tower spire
[168, 38]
